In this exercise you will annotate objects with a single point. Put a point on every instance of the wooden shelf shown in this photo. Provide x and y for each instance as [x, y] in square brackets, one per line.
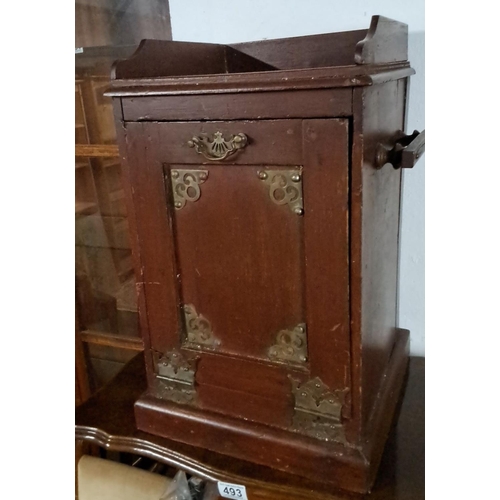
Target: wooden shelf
[117, 195]
[81, 164]
[112, 340]
[97, 150]
[111, 162]
[82, 207]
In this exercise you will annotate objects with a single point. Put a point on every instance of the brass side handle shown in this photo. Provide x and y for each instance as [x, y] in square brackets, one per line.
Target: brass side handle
[216, 148]
[405, 152]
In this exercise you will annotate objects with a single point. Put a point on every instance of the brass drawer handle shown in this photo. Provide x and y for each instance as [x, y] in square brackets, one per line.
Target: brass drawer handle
[217, 148]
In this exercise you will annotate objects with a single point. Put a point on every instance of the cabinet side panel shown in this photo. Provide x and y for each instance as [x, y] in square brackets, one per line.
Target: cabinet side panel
[379, 113]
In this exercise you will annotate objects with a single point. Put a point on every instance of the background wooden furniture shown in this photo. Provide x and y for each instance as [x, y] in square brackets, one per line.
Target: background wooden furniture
[107, 327]
[107, 419]
[263, 185]
[106, 311]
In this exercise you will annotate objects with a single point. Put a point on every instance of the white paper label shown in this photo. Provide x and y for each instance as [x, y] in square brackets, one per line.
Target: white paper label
[235, 491]
[78, 50]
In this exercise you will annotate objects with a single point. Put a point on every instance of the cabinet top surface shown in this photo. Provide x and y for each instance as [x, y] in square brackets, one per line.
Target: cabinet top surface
[344, 59]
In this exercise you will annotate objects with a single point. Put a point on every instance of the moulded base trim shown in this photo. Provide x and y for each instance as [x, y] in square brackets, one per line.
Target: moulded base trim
[344, 467]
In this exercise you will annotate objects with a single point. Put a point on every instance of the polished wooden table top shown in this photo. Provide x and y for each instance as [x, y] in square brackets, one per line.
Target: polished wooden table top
[107, 419]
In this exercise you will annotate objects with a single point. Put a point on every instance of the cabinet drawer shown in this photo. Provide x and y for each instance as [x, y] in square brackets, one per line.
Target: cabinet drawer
[245, 389]
[244, 106]
[274, 142]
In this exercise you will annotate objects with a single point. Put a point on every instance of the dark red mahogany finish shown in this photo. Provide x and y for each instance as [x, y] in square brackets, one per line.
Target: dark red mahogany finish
[265, 224]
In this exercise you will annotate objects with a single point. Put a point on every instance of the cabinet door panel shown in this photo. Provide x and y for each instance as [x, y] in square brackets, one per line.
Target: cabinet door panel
[240, 260]
[234, 272]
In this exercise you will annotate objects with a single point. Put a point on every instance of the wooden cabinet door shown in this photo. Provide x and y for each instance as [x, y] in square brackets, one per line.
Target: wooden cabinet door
[244, 262]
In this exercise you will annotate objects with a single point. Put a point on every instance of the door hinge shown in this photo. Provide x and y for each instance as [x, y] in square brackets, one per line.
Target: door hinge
[174, 379]
[290, 345]
[317, 410]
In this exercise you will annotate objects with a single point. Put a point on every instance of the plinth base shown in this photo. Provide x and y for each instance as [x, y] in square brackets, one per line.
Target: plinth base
[349, 467]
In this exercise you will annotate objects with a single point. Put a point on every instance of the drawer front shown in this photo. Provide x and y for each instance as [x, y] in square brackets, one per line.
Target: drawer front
[242, 388]
[246, 258]
[244, 106]
[274, 142]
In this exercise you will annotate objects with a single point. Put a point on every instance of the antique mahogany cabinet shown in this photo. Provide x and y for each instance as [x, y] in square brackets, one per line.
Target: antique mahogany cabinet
[263, 182]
